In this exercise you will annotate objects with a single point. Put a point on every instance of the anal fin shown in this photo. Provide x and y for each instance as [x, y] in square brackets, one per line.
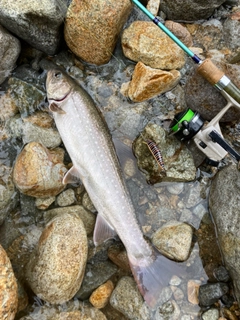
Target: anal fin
[103, 231]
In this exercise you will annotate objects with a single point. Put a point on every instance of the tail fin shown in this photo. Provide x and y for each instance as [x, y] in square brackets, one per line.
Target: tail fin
[151, 279]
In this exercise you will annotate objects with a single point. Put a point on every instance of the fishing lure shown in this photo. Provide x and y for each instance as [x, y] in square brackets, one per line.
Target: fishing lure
[155, 151]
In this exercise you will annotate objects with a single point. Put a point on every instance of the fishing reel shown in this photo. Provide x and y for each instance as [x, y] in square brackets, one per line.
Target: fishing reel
[207, 137]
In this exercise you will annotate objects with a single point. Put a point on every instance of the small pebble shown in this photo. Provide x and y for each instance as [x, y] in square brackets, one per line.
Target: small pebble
[100, 297]
[66, 198]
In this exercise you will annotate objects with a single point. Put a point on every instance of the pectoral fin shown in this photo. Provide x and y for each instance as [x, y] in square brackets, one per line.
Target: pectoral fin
[103, 231]
[72, 176]
[55, 108]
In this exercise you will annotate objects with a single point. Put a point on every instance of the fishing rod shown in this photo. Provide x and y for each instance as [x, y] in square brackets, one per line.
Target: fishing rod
[189, 124]
[206, 68]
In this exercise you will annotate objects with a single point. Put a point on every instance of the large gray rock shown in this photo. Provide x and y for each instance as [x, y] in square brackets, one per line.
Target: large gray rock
[190, 10]
[9, 51]
[224, 204]
[36, 22]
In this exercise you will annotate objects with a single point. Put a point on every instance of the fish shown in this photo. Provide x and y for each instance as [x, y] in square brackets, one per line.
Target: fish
[89, 144]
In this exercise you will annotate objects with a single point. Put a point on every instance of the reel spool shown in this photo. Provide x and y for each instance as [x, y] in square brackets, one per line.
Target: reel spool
[186, 124]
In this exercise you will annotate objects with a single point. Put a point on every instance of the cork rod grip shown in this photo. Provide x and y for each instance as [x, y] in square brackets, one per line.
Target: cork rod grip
[210, 72]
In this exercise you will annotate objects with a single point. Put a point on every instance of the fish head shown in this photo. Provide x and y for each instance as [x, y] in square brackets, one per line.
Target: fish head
[58, 86]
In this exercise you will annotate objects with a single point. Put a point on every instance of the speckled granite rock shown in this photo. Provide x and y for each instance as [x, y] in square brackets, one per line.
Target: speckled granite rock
[56, 269]
[8, 288]
[224, 205]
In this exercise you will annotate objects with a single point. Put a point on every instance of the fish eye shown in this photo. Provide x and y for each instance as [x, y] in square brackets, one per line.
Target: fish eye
[58, 75]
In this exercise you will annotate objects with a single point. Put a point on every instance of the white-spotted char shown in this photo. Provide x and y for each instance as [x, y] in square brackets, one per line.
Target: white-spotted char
[89, 144]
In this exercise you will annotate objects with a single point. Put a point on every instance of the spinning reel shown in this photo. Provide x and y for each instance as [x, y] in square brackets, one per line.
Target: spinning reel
[207, 137]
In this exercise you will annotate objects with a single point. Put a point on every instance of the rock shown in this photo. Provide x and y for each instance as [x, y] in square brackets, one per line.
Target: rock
[180, 31]
[24, 96]
[224, 206]
[66, 198]
[153, 6]
[38, 23]
[44, 203]
[100, 297]
[8, 285]
[173, 240]
[211, 314]
[87, 202]
[145, 42]
[72, 310]
[38, 172]
[206, 99]
[221, 274]
[95, 45]
[56, 268]
[211, 292]
[169, 310]
[190, 10]
[147, 82]
[88, 218]
[127, 299]
[193, 291]
[35, 130]
[231, 31]
[8, 194]
[208, 35]
[178, 160]
[96, 274]
[118, 255]
[9, 51]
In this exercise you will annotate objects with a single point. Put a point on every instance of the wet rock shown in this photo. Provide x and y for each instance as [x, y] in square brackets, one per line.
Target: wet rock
[38, 23]
[221, 274]
[9, 51]
[25, 96]
[66, 198]
[169, 310]
[49, 137]
[206, 99]
[8, 285]
[147, 82]
[95, 275]
[174, 240]
[211, 314]
[178, 161]
[211, 292]
[87, 217]
[8, 193]
[87, 202]
[71, 310]
[208, 35]
[100, 297]
[118, 255]
[145, 42]
[153, 6]
[95, 45]
[56, 269]
[193, 291]
[231, 31]
[189, 10]
[224, 206]
[44, 203]
[127, 299]
[38, 172]
[180, 31]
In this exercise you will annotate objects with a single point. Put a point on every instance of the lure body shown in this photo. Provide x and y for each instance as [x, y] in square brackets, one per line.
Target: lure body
[155, 151]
